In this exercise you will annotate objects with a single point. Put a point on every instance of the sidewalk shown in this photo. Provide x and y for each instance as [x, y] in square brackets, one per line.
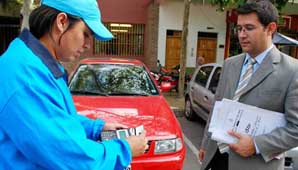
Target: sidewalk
[177, 104]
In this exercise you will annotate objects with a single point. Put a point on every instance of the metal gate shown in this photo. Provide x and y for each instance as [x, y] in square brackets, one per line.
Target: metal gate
[8, 32]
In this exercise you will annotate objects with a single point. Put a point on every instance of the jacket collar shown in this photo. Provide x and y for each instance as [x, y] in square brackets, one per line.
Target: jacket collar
[265, 69]
[39, 50]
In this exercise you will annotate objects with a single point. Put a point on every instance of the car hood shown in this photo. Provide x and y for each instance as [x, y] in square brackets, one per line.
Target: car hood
[151, 111]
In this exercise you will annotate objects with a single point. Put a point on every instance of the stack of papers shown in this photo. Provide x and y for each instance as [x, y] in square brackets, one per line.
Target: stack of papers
[250, 120]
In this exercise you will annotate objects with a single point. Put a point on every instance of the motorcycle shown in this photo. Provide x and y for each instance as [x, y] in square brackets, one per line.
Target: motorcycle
[172, 77]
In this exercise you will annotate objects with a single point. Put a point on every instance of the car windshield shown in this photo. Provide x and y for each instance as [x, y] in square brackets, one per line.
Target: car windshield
[112, 79]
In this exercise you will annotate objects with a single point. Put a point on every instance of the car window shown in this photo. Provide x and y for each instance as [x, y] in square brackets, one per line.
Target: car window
[84, 80]
[214, 80]
[113, 79]
[203, 74]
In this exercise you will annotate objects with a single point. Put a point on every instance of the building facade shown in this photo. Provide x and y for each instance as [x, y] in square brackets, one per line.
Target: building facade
[150, 30]
[206, 35]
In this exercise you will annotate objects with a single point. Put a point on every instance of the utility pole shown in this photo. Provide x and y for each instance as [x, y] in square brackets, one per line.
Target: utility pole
[25, 11]
[183, 56]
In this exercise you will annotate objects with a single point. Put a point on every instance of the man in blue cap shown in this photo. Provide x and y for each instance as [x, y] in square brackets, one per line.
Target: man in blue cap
[39, 125]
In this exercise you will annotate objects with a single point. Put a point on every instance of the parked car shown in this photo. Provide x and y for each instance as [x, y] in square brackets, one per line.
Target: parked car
[199, 98]
[200, 91]
[291, 162]
[122, 90]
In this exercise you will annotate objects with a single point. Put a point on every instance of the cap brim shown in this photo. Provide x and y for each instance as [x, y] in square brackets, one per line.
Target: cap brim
[99, 30]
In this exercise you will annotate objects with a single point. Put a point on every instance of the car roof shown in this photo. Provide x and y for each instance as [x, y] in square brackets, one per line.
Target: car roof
[212, 64]
[110, 60]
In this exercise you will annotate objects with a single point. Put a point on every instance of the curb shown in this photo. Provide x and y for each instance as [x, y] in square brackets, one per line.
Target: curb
[178, 112]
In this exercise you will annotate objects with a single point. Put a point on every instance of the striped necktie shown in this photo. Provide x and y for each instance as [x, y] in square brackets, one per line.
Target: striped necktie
[244, 79]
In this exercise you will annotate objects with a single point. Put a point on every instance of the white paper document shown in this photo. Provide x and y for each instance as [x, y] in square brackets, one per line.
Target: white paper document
[231, 115]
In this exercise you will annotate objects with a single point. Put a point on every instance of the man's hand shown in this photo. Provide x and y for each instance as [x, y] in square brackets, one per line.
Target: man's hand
[114, 126]
[201, 155]
[138, 144]
[245, 146]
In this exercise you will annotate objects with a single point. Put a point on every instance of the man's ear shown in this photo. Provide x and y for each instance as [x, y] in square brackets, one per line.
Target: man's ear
[61, 22]
[272, 28]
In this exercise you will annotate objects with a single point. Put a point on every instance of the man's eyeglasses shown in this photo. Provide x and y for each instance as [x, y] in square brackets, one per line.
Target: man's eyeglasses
[245, 28]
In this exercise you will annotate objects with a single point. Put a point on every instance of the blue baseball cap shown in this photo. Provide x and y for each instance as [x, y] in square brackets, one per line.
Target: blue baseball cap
[87, 10]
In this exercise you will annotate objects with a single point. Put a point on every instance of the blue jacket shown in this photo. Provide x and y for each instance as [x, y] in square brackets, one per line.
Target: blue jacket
[39, 125]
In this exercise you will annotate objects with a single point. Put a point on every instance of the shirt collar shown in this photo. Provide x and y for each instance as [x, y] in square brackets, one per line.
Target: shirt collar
[43, 53]
[259, 58]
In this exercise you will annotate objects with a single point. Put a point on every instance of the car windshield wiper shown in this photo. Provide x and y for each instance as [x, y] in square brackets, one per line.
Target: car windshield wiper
[128, 93]
[86, 92]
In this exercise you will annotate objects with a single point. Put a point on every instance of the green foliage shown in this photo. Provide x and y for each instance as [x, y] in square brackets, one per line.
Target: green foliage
[11, 7]
[189, 70]
[228, 4]
[280, 3]
[3, 3]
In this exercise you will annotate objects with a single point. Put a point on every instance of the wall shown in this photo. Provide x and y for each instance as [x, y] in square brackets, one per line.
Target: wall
[128, 11]
[201, 17]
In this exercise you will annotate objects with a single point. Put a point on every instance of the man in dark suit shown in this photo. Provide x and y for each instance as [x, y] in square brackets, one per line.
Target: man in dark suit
[263, 77]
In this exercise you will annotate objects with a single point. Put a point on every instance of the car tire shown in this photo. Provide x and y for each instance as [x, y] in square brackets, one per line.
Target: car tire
[188, 112]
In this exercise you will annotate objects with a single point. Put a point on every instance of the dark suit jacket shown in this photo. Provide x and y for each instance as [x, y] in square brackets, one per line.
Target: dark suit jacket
[274, 86]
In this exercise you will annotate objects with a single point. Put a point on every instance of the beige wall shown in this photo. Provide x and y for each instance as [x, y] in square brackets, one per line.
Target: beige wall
[201, 17]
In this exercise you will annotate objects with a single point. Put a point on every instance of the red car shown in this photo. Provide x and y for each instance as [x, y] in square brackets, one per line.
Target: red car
[123, 90]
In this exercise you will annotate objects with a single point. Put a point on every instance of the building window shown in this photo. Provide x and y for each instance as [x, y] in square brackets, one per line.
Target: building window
[128, 40]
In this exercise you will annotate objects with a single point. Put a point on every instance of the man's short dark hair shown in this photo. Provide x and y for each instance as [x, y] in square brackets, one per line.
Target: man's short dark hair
[264, 9]
[42, 18]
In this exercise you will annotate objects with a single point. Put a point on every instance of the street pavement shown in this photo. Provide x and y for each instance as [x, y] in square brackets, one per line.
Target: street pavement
[193, 133]
[177, 104]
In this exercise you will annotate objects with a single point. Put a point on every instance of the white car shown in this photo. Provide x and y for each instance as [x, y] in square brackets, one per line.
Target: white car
[291, 162]
[199, 97]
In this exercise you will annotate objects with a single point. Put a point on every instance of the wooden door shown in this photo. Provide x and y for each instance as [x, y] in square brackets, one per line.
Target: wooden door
[173, 48]
[206, 48]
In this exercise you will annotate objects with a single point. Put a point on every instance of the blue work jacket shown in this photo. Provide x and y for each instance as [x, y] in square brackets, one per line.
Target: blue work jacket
[39, 125]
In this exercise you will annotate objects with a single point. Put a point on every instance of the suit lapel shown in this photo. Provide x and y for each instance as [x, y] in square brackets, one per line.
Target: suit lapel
[235, 74]
[264, 70]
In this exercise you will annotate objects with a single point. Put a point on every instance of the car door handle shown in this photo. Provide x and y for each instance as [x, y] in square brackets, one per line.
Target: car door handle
[205, 98]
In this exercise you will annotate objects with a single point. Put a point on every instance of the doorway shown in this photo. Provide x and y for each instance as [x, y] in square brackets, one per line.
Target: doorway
[207, 46]
[173, 48]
